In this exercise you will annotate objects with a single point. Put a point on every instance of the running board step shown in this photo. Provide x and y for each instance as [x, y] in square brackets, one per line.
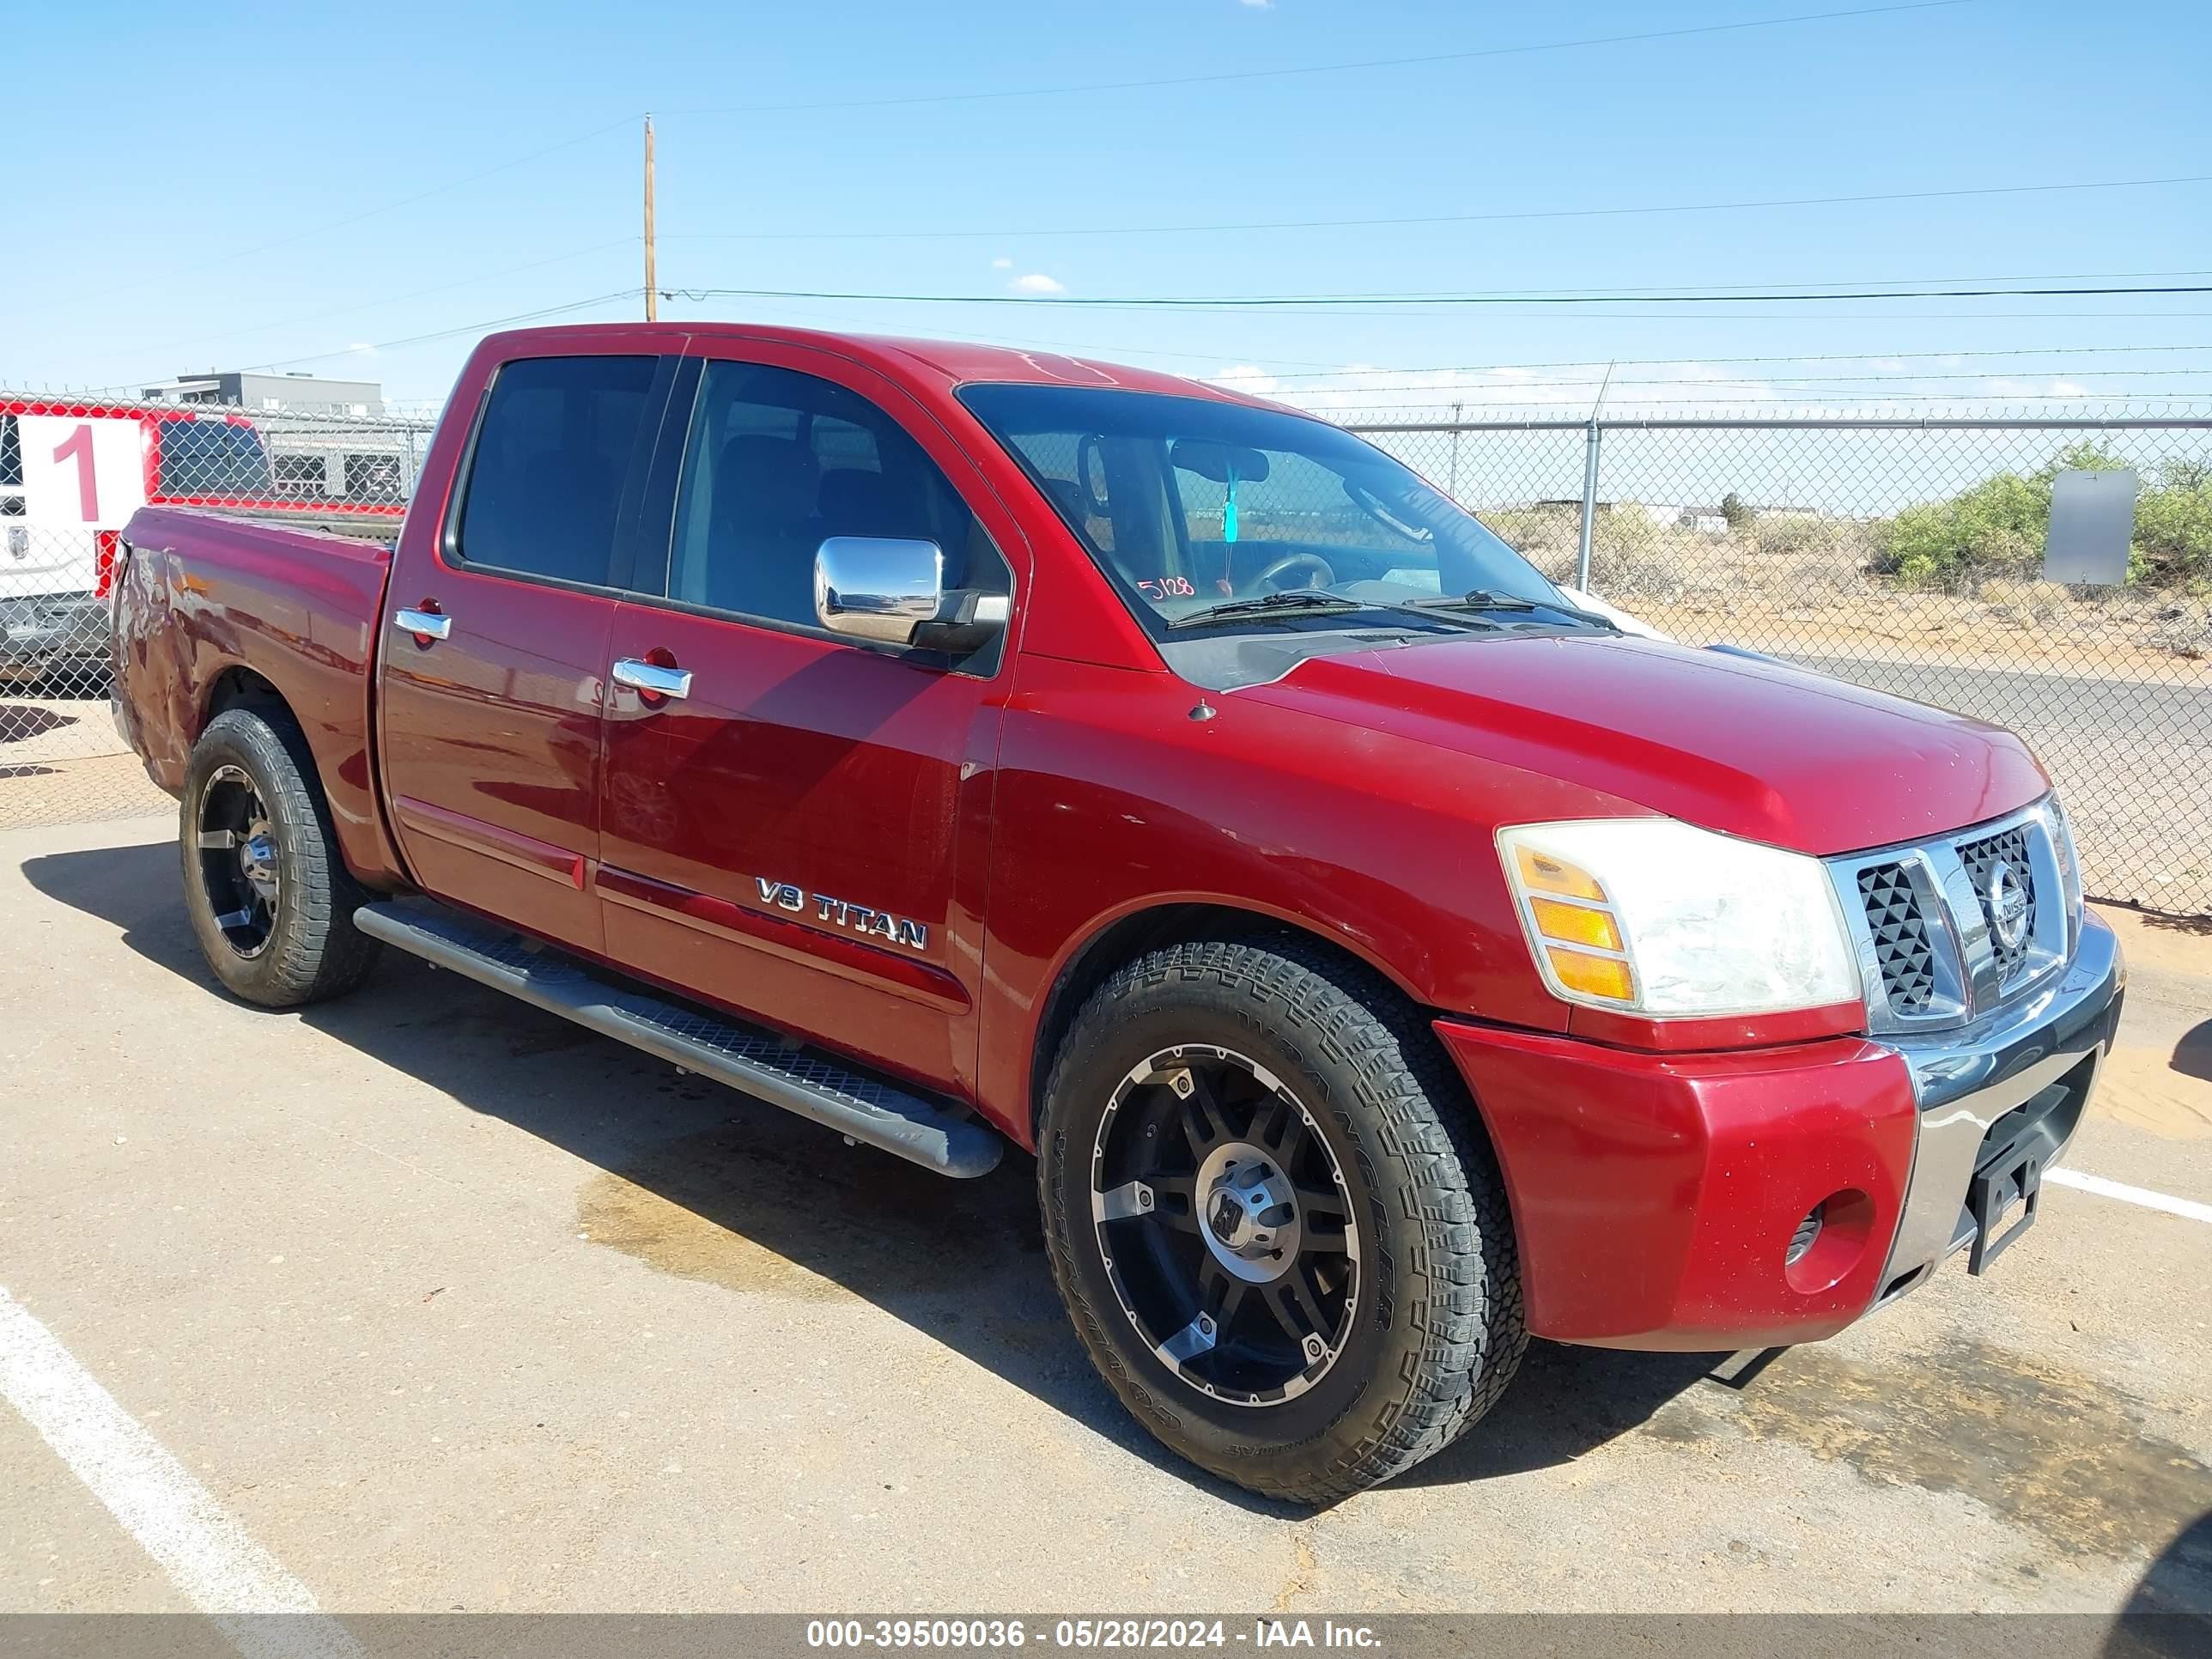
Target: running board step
[745, 1057]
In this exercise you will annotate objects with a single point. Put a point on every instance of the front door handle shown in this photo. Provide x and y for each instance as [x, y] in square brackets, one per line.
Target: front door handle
[652, 678]
[422, 624]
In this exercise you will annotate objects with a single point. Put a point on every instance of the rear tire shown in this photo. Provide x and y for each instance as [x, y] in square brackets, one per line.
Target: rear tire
[271, 900]
[1276, 1224]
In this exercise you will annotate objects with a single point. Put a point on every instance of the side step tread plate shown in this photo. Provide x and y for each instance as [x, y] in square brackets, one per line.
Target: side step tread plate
[745, 1057]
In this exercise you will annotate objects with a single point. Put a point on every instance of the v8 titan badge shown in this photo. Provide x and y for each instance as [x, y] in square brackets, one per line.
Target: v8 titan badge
[842, 913]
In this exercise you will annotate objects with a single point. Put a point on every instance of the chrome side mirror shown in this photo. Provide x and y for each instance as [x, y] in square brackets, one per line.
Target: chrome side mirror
[878, 587]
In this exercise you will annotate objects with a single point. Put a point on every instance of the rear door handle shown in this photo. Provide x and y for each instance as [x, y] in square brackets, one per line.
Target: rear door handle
[422, 624]
[652, 677]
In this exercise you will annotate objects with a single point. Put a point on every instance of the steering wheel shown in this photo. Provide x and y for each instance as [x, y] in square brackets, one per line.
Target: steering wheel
[1322, 574]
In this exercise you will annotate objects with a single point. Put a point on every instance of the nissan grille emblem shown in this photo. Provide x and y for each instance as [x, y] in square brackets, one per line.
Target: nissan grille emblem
[2008, 902]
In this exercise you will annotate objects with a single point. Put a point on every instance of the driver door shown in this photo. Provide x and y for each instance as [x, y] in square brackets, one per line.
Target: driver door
[802, 833]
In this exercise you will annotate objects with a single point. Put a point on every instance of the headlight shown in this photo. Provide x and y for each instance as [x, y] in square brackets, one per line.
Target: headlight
[1653, 916]
[2069, 868]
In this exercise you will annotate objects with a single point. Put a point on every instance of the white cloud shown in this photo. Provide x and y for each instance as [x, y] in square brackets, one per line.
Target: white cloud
[1248, 378]
[1002, 263]
[1036, 282]
[1258, 5]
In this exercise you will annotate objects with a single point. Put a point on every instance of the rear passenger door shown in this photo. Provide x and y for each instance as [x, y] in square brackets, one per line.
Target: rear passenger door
[494, 651]
[802, 834]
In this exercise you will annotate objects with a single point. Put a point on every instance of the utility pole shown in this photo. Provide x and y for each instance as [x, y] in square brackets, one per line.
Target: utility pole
[651, 295]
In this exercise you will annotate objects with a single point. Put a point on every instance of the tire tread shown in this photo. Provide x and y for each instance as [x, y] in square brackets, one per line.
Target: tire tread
[1435, 1169]
[318, 953]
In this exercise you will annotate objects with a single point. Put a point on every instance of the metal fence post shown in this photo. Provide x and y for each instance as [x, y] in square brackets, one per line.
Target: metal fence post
[1590, 504]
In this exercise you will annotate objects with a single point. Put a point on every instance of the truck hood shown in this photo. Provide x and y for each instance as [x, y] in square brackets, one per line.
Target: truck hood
[1749, 748]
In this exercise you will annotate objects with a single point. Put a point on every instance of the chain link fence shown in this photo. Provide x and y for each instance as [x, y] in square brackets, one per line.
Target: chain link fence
[1902, 554]
[72, 471]
[1905, 555]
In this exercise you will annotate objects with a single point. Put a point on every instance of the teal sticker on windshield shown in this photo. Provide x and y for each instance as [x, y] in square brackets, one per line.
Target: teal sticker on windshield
[1229, 508]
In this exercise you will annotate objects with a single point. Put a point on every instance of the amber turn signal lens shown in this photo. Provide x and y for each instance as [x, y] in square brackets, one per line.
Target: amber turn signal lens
[1541, 872]
[1595, 976]
[1575, 923]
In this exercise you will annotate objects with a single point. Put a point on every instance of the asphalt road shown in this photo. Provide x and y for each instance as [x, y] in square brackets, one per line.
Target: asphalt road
[446, 1304]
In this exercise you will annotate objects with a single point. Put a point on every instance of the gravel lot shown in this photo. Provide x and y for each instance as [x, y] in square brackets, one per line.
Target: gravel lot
[452, 1306]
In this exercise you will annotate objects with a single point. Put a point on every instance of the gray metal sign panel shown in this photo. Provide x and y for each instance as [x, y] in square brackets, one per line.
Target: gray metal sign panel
[2093, 517]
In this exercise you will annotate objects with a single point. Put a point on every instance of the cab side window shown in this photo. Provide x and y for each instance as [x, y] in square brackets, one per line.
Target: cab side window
[555, 448]
[776, 463]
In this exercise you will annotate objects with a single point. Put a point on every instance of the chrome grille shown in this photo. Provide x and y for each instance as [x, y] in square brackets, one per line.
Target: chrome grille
[1983, 858]
[1901, 936]
[1948, 929]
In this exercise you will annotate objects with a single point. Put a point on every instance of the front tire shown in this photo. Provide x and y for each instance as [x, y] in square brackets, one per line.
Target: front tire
[271, 900]
[1280, 1234]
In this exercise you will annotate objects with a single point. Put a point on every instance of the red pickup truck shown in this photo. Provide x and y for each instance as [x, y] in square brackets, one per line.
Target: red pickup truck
[1386, 959]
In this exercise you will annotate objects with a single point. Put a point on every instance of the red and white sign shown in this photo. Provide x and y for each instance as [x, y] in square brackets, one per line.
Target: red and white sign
[79, 472]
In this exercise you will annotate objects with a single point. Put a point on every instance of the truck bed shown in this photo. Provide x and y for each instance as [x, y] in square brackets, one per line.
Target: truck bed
[208, 603]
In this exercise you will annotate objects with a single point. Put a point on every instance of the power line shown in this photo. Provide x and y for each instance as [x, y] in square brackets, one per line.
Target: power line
[463, 328]
[1906, 379]
[1586, 318]
[1269, 301]
[1443, 218]
[1309, 369]
[1793, 382]
[1422, 59]
[1820, 357]
[1801, 396]
[371, 305]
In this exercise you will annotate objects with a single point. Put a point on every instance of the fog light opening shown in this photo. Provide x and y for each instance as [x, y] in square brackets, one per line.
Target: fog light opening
[1829, 1242]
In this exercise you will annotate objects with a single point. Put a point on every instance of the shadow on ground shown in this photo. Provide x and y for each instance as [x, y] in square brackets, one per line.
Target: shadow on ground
[20, 720]
[2192, 1055]
[2170, 1613]
[709, 1184]
[2194, 927]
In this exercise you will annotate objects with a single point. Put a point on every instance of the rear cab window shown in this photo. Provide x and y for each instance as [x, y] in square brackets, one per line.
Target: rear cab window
[553, 455]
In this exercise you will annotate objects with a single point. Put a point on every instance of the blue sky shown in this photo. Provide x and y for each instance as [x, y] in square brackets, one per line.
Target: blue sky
[182, 175]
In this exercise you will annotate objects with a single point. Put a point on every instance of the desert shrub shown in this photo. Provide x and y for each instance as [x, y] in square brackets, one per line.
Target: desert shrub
[1739, 513]
[1843, 539]
[1536, 532]
[1998, 527]
[2185, 630]
[2172, 541]
[1626, 530]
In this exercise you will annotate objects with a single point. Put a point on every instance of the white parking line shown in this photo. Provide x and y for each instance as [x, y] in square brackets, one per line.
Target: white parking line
[208, 1555]
[2188, 1208]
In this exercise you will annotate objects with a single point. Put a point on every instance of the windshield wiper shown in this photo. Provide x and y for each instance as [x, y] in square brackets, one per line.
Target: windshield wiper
[1288, 599]
[1487, 599]
[1311, 600]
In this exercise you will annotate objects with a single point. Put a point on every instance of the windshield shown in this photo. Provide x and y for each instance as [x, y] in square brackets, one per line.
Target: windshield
[1190, 504]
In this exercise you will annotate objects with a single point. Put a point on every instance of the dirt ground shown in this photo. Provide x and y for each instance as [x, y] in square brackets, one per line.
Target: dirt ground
[447, 1304]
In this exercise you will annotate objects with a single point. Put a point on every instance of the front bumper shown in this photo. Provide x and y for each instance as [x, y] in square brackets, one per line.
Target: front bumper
[1655, 1197]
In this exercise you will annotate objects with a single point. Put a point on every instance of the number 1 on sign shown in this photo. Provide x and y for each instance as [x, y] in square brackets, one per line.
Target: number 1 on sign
[78, 447]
